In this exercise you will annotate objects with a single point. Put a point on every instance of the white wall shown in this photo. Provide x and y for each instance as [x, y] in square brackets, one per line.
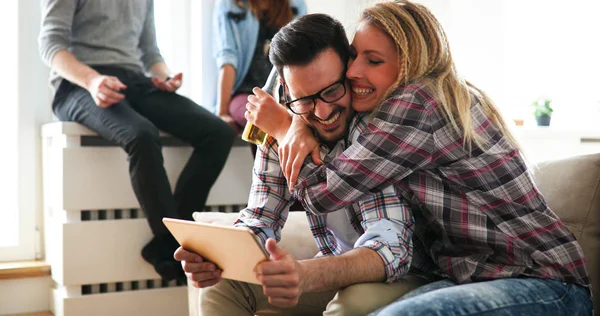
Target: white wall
[517, 51]
[27, 295]
[347, 11]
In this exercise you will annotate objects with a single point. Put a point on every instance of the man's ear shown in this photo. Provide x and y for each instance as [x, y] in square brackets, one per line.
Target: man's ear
[284, 92]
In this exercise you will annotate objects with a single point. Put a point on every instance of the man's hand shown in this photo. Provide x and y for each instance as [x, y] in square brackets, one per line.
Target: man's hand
[281, 277]
[264, 112]
[201, 272]
[168, 84]
[105, 90]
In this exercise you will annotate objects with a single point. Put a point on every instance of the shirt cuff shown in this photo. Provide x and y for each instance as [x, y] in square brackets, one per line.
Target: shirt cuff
[263, 233]
[150, 60]
[382, 238]
[225, 58]
[50, 46]
[310, 174]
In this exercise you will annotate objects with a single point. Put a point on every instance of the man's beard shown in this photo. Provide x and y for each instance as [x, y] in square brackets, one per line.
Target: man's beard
[331, 142]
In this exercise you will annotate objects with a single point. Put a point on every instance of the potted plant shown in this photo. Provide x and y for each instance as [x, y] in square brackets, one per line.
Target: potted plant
[542, 111]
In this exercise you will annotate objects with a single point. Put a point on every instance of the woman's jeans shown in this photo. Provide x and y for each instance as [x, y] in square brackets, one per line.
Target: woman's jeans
[134, 124]
[515, 296]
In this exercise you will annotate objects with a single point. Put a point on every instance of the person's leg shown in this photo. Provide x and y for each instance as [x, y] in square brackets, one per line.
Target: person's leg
[363, 298]
[514, 296]
[237, 108]
[122, 125]
[230, 297]
[209, 135]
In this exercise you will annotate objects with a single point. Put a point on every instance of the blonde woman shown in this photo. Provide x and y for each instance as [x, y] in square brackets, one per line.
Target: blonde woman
[484, 235]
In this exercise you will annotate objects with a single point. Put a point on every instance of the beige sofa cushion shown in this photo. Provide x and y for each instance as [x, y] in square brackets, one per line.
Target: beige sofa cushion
[572, 189]
[296, 237]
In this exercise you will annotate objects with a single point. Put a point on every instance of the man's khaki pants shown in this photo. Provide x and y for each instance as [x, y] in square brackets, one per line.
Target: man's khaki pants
[240, 298]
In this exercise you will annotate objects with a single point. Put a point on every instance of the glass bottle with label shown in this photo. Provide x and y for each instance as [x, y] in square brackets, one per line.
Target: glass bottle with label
[252, 133]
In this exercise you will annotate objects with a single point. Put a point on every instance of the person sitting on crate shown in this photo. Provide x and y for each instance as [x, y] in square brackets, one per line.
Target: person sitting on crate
[108, 74]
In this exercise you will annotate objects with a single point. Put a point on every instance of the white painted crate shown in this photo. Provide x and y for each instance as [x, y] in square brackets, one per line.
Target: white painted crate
[94, 229]
[163, 301]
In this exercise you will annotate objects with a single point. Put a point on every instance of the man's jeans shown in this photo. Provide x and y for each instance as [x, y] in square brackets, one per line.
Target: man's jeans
[134, 123]
[516, 296]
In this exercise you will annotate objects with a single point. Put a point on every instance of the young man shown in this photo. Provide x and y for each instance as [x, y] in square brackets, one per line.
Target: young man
[366, 242]
[98, 51]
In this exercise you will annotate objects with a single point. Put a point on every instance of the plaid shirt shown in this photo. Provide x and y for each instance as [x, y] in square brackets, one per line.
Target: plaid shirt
[478, 215]
[382, 219]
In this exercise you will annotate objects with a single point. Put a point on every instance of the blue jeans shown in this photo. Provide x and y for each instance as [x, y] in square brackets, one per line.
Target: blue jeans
[516, 296]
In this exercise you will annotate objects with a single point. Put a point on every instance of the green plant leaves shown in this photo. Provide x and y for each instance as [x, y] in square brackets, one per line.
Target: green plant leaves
[542, 107]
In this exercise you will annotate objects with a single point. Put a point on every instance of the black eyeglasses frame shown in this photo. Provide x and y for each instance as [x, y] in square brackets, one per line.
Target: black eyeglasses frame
[315, 96]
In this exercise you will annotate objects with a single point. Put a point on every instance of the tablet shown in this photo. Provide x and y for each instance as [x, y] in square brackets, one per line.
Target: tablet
[235, 250]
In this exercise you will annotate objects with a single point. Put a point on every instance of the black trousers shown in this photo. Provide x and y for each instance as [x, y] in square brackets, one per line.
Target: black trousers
[134, 123]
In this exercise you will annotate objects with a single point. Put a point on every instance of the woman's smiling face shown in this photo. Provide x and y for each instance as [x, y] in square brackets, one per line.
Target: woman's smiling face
[372, 68]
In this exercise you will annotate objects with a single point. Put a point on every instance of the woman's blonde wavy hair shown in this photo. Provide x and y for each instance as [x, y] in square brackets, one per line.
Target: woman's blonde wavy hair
[424, 54]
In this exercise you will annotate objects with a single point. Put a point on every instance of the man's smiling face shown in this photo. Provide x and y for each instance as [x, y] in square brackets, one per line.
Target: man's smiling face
[329, 120]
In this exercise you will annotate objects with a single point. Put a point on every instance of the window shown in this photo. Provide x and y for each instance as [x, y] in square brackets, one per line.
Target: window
[9, 232]
[10, 217]
[26, 100]
[183, 30]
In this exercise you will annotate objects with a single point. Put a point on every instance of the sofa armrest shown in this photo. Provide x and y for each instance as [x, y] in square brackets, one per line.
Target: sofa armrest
[572, 189]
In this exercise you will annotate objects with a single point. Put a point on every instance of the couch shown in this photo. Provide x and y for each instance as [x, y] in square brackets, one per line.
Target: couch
[571, 187]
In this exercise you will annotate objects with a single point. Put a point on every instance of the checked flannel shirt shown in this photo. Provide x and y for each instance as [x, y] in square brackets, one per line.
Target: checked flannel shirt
[381, 219]
[478, 214]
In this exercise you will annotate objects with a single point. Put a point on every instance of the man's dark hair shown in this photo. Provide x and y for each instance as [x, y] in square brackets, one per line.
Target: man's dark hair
[300, 41]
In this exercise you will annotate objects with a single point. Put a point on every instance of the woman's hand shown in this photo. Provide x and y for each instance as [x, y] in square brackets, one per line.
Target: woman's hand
[298, 143]
[268, 115]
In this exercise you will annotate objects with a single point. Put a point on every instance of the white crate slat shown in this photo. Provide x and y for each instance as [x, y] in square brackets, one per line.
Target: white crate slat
[69, 128]
[153, 302]
[111, 252]
[53, 244]
[98, 177]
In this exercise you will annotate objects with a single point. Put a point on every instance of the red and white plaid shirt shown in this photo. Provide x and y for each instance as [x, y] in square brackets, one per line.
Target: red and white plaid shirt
[478, 215]
[381, 219]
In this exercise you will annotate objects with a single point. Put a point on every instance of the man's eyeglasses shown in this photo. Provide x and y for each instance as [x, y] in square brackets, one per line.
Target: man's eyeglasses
[330, 94]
